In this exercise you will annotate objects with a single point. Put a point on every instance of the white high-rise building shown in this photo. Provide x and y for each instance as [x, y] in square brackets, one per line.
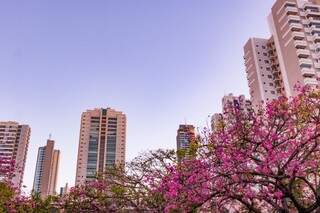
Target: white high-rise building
[290, 56]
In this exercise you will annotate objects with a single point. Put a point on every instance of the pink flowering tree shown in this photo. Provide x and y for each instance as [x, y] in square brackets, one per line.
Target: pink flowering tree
[265, 161]
[10, 199]
[257, 162]
[91, 197]
[129, 189]
[6, 168]
[6, 190]
[13, 200]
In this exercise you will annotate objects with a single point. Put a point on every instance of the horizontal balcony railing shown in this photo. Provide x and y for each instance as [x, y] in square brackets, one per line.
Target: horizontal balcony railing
[300, 44]
[295, 26]
[303, 53]
[305, 61]
[307, 72]
[315, 20]
[310, 81]
[298, 35]
[314, 28]
[312, 13]
[294, 17]
[291, 10]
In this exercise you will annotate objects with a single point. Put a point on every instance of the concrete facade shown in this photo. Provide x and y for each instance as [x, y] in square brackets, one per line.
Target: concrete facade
[290, 56]
[46, 173]
[102, 142]
[14, 142]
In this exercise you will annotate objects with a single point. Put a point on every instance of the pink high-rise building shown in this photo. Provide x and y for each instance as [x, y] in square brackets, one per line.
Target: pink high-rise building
[46, 173]
[14, 142]
[290, 56]
[102, 142]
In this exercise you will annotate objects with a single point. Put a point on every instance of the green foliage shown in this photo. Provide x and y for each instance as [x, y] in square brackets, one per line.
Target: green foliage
[6, 194]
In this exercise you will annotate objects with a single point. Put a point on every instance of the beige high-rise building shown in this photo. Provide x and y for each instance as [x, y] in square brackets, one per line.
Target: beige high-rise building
[290, 56]
[230, 102]
[102, 142]
[14, 142]
[46, 173]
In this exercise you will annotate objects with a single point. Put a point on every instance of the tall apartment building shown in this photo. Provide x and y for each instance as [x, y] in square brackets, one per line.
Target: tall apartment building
[230, 102]
[290, 56]
[14, 142]
[263, 72]
[102, 142]
[46, 173]
[185, 135]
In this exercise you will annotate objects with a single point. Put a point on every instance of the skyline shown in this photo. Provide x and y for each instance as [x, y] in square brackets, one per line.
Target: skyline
[45, 91]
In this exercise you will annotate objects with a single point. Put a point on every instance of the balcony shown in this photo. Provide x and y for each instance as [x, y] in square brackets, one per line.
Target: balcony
[298, 35]
[294, 17]
[308, 72]
[312, 13]
[303, 53]
[315, 20]
[276, 72]
[314, 29]
[310, 81]
[305, 62]
[289, 4]
[276, 78]
[273, 56]
[310, 6]
[295, 26]
[316, 38]
[277, 81]
[291, 11]
[300, 44]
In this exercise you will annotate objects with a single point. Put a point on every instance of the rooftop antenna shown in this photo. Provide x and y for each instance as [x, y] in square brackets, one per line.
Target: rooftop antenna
[50, 136]
[185, 121]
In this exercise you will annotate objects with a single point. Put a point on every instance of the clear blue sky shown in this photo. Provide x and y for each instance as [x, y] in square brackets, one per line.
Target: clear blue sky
[160, 61]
